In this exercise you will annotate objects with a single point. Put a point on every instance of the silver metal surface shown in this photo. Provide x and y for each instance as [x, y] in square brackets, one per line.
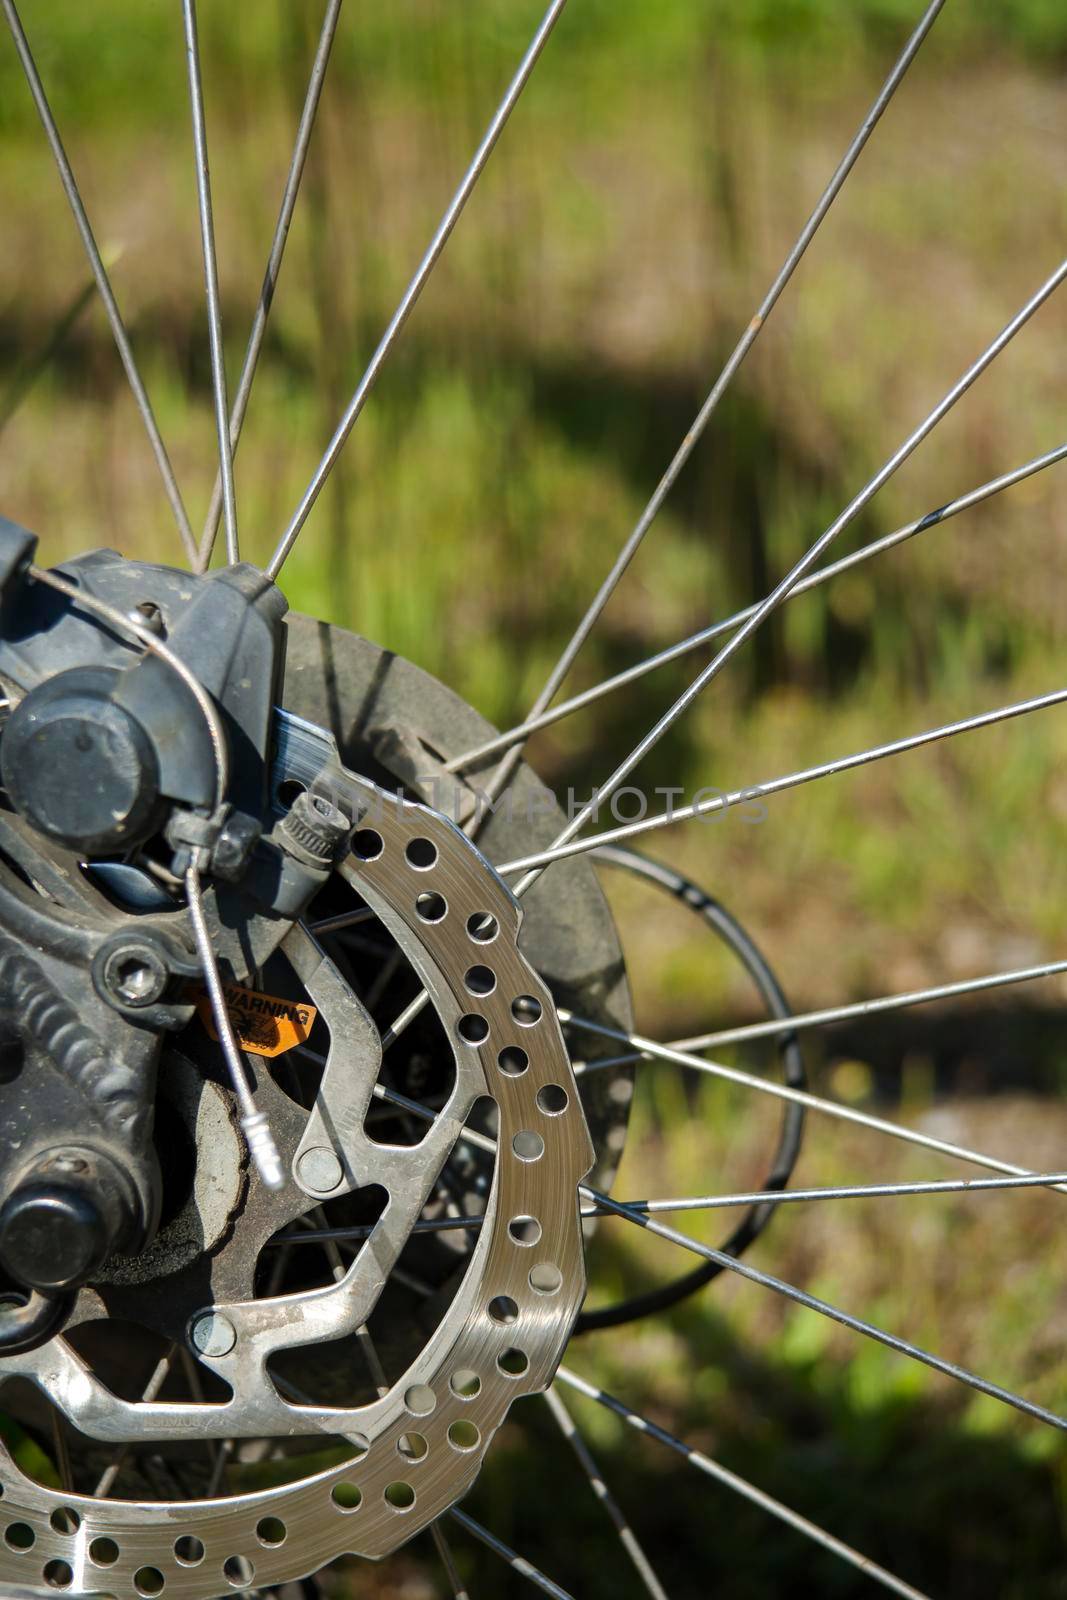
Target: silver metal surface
[722, 800]
[416, 286]
[511, 1297]
[808, 559]
[627, 1538]
[211, 278]
[789, 1291]
[888, 541]
[274, 266]
[737, 356]
[712, 1469]
[784, 1091]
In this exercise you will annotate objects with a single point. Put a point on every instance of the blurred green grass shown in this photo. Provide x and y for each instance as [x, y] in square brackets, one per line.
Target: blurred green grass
[656, 171]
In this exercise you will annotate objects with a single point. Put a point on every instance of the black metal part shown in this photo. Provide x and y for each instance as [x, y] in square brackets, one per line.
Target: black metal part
[105, 742]
[755, 1220]
[226, 627]
[78, 766]
[28, 1321]
[66, 1215]
[132, 971]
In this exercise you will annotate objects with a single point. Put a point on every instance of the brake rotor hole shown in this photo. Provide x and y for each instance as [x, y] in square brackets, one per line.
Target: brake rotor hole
[401, 1496]
[65, 1520]
[513, 1363]
[366, 844]
[463, 1435]
[20, 1536]
[271, 1532]
[546, 1278]
[421, 854]
[238, 1571]
[472, 1028]
[482, 927]
[150, 1581]
[513, 1061]
[420, 1400]
[465, 1384]
[528, 1146]
[431, 907]
[346, 1497]
[188, 1551]
[552, 1099]
[526, 1010]
[503, 1309]
[525, 1230]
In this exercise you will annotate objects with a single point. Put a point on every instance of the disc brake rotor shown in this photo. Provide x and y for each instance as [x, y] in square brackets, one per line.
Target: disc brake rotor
[418, 1446]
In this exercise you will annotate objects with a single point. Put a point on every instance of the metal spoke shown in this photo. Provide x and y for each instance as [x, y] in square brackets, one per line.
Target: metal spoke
[518, 1563]
[861, 1008]
[715, 1202]
[211, 277]
[862, 1191]
[274, 264]
[784, 1091]
[416, 286]
[722, 800]
[741, 1486]
[344, 919]
[812, 1303]
[103, 282]
[364, 1230]
[448, 1561]
[62, 1453]
[569, 1428]
[807, 560]
[726, 376]
[523, 730]
[148, 1394]
[394, 1097]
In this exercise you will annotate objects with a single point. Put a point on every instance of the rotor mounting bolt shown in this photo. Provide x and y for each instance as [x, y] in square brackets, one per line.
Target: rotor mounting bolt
[319, 1169]
[214, 1335]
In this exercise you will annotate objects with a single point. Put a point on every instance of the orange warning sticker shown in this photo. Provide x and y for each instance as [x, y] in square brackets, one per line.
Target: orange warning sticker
[263, 1023]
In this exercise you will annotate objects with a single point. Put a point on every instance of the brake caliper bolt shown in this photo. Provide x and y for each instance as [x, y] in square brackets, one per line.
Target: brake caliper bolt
[214, 1335]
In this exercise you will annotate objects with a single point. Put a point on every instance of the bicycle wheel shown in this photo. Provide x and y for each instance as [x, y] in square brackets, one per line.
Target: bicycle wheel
[318, 1047]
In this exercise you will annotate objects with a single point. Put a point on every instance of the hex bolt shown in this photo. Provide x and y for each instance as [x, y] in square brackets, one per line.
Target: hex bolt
[214, 1335]
[135, 975]
[319, 1170]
